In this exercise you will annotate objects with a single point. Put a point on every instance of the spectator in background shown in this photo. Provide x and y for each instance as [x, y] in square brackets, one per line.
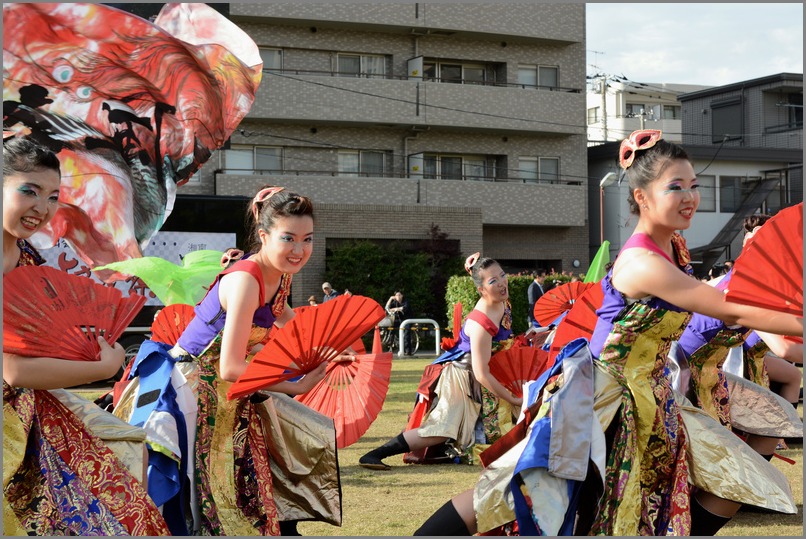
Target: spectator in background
[535, 291]
[312, 301]
[398, 307]
[329, 292]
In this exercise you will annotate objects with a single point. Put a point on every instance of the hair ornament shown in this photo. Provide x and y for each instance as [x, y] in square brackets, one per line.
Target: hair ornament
[471, 261]
[643, 139]
[231, 255]
[262, 196]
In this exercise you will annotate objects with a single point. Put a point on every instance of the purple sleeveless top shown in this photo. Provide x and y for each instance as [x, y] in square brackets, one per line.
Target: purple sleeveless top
[614, 302]
[210, 316]
[702, 329]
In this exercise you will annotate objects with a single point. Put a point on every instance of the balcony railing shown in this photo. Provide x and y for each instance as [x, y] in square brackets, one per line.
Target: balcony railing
[469, 82]
[334, 173]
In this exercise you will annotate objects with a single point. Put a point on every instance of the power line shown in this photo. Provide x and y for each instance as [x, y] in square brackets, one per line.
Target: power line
[426, 105]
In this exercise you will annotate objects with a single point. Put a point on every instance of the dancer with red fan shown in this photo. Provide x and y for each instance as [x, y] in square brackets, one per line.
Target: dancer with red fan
[460, 401]
[643, 441]
[242, 461]
[59, 477]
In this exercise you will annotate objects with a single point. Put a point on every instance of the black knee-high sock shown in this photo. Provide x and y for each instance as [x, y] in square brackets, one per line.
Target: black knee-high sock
[288, 527]
[445, 521]
[704, 522]
[395, 446]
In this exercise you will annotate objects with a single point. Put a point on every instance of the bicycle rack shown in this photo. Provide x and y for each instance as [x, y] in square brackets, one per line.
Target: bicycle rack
[411, 321]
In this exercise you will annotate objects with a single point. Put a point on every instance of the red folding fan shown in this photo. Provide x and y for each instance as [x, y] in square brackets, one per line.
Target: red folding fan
[449, 342]
[580, 320]
[312, 337]
[47, 312]
[558, 300]
[352, 392]
[170, 322]
[517, 365]
[769, 272]
[358, 346]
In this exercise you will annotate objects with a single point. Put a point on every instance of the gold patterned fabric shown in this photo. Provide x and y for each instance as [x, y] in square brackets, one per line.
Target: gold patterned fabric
[303, 459]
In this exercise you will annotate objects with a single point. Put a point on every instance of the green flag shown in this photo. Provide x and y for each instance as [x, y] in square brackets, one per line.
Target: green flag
[597, 268]
[171, 283]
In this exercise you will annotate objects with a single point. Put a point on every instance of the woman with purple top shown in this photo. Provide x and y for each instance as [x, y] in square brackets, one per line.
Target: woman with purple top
[655, 465]
[252, 475]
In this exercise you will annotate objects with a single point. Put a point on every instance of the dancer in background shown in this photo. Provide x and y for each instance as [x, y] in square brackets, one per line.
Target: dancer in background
[648, 442]
[59, 477]
[465, 388]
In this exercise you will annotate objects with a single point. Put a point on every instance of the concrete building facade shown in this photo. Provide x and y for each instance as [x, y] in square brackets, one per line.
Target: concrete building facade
[392, 117]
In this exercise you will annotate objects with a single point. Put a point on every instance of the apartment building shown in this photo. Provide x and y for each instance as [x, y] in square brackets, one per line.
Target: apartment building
[616, 107]
[746, 142]
[394, 117]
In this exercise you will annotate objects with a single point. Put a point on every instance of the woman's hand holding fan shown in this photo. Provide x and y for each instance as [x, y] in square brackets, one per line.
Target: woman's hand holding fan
[50, 313]
[313, 337]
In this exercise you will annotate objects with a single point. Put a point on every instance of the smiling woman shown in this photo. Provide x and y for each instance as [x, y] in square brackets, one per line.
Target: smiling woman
[90, 489]
[239, 474]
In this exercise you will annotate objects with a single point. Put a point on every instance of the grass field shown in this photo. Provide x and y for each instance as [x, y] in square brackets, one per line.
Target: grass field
[396, 502]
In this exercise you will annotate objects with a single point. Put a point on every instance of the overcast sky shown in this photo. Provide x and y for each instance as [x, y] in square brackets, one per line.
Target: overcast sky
[686, 43]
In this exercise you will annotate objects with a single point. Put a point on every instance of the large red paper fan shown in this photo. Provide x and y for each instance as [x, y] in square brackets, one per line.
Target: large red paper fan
[312, 337]
[51, 313]
[170, 322]
[580, 321]
[558, 300]
[517, 365]
[769, 272]
[352, 392]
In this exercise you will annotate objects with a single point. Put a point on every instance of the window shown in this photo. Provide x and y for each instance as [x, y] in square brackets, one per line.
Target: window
[361, 65]
[671, 112]
[549, 169]
[707, 191]
[538, 76]
[527, 169]
[795, 107]
[635, 109]
[361, 163]
[253, 159]
[456, 167]
[726, 120]
[593, 115]
[272, 59]
[732, 191]
[454, 73]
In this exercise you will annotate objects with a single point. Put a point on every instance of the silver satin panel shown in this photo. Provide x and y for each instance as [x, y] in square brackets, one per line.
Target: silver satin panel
[722, 464]
[572, 417]
[757, 410]
[575, 439]
[455, 411]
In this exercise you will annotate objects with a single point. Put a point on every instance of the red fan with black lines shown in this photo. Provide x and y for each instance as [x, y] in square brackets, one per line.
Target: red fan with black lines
[558, 300]
[170, 322]
[769, 271]
[580, 321]
[312, 337]
[352, 392]
[517, 365]
[50, 313]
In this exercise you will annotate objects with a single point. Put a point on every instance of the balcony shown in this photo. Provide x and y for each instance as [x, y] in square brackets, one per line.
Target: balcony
[291, 96]
[513, 202]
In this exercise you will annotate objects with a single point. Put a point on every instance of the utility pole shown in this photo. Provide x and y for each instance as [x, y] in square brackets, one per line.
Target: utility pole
[604, 106]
